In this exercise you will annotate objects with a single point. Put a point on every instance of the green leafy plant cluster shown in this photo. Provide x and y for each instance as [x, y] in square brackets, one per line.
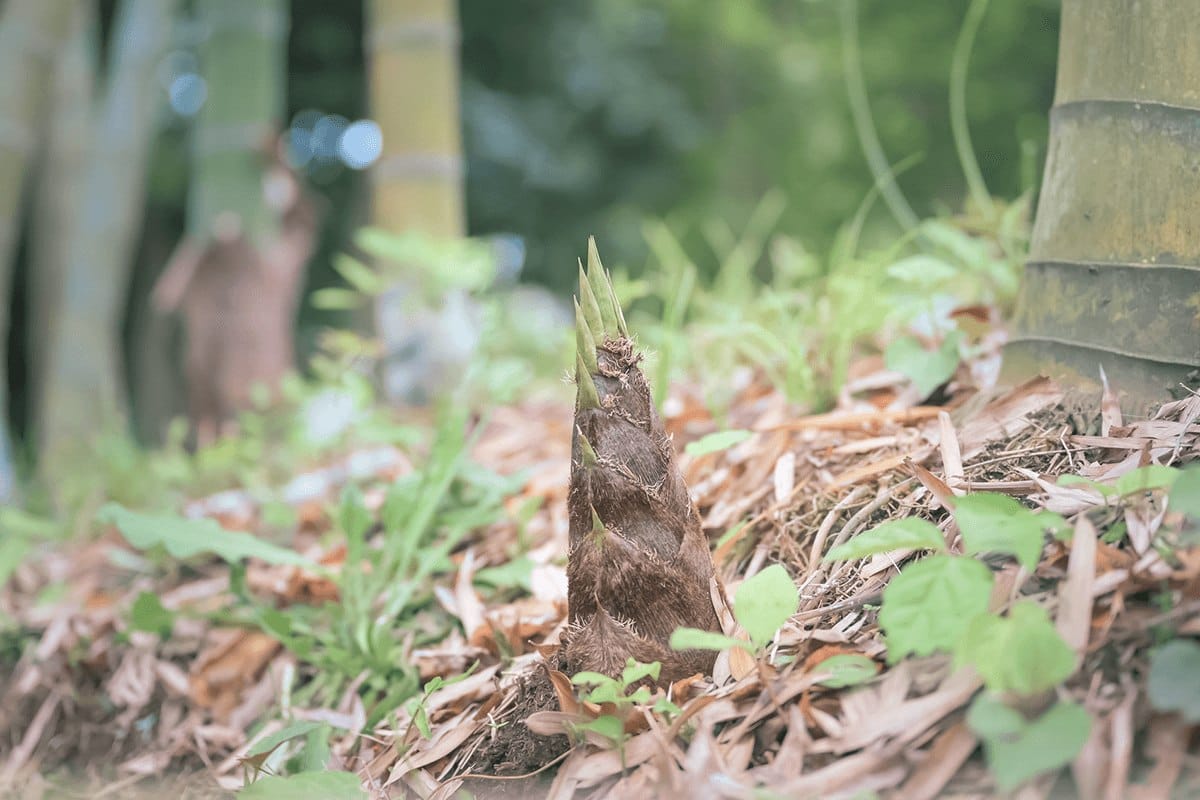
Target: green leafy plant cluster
[801, 320]
[940, 603]
[517, 345]
[614, 695]
[385, 605]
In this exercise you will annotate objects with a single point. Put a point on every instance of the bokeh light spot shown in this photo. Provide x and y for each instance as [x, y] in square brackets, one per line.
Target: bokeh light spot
[361, 144]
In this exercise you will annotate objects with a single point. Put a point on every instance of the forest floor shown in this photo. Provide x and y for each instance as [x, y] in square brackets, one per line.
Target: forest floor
[90, 706]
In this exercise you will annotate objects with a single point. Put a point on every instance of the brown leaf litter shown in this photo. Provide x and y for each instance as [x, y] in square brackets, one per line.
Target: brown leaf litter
[89, 699]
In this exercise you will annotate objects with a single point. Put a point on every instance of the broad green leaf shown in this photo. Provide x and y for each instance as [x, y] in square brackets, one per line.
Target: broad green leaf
[607, 726]
[185, 538]
[1020, 653]
[1174, 683]
[696, 639]
[149, 615]
[1143, 479]
[928, 369]
[764, 602]
[1185, 494]
[716, 442]
[306, 786]
[1049, 743]
[634, 671]
[910, 533]
[846, 670]
[989, 718]
[591, 679]
[517, 573]
[269, 743]
[17, 522]
[997, 523]
[928, 605]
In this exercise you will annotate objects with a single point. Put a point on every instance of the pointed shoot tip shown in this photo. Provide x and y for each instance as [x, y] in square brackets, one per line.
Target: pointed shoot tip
[588, 396]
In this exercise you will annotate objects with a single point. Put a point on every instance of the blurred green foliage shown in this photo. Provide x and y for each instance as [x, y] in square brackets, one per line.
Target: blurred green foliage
[591, 117]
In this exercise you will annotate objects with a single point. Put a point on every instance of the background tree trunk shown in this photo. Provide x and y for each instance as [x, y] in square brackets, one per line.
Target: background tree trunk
[418, 181]
[1113, 279]
[31, 32]
[64, 159]
[84, 385]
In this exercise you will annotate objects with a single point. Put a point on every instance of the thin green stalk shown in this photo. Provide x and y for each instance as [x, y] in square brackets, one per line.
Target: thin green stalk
[958, 108]
[864, 125]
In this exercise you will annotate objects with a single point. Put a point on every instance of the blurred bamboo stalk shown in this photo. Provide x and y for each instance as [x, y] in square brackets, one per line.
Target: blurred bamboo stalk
[84, 383]
[413, 48]
[31, 32]
[242, 59]
[63, 160]
[417, 184]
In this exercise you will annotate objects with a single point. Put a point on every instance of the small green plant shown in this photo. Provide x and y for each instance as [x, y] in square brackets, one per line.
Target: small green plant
[940, 603]
[384, 609]
[614, 696]
[762, 605]
[1018, 749]
[801, 320]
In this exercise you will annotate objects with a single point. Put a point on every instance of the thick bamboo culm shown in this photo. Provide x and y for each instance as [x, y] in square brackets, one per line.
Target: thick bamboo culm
[1113, 279]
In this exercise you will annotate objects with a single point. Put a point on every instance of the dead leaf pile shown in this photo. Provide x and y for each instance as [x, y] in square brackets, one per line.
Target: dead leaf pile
[87, 690]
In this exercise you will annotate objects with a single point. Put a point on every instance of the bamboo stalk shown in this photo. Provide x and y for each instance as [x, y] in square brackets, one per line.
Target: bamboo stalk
[84, 384]
[31, 33]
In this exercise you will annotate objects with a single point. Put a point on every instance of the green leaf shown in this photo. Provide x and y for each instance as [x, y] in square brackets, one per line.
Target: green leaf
[910, 533]
[716, 442]
[517, 573]
[331, 298]
[607, 726]
[997, 523]
[1020, 653]
[635, 671]
[1185, 494]
[269, 743]
[696, 639]
[361, 277]
[1143, 479]
[928, 369]
[306, 786]
[845, 670]
[1047, 744]
[764, 602]
[989, 718]
[1174, 683]
[185, 538]
[12, 551]
[149, 615]
[586, 678]
[930, 603]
